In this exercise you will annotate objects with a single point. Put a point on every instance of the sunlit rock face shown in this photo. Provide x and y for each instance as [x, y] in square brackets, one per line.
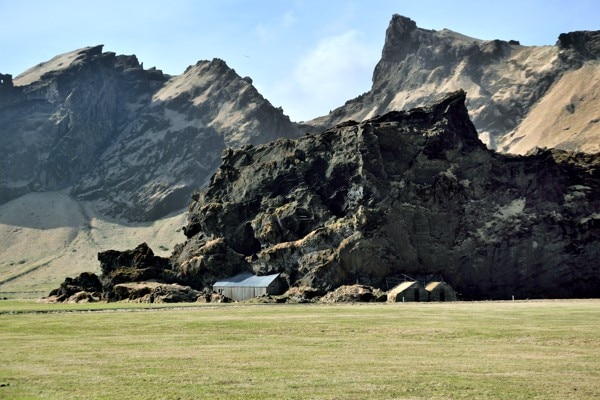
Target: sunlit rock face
[413, 193]
[519, 97]
[132, 140]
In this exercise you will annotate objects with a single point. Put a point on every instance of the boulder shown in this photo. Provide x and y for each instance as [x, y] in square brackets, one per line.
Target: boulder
[136, 265]
[86, 282]
[219, 298]
[84, 297]
[301, 294]
[354, 294]
[155, 292]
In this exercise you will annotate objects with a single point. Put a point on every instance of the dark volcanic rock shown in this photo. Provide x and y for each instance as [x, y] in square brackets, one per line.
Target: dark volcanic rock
[84, 283]
[136, 275]
[139, 275]
[6, 82]
[155, 292]
[202, 262]
[408, 192]
[137, 265]
[354, 293]
[585, 43]
[140, 257]
[411, 193]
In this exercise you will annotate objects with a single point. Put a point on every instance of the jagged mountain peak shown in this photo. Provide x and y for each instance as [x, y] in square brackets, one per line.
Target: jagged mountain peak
[215, 65]
[404, 38]
[585, 43]
[506, 85]
[399, 38]
[201, 80]
[451, 110]
[134, 141]
[57, 64]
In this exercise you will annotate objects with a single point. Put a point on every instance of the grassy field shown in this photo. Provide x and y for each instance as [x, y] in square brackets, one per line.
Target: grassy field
[479, 350]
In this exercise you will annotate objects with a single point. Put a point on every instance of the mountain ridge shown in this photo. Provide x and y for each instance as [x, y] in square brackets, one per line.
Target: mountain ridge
[90, 120]
[96, 130]
[503, 80]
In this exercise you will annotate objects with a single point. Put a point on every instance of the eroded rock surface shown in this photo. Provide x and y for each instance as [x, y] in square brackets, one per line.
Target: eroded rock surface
[136, 265]
[85, 287]
[155, 292]
[408, 192]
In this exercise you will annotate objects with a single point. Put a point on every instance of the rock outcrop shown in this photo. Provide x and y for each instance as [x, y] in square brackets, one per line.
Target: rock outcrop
[85, 287]
[135, 275]
[354, 294]
[405, 193]
[6, 83]
[513, 90]
[373, 192]
[137, 265]
[154, 292]
[134, 141]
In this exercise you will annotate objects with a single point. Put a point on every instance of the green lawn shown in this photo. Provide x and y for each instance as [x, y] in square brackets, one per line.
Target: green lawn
[478, 350]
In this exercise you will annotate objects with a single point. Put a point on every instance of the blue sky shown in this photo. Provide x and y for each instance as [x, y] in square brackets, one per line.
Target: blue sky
[307, 56]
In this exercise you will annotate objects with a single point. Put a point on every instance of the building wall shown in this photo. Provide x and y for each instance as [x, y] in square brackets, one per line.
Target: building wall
[442, 293]
[276, 287]
[240, 293]
[415, 292]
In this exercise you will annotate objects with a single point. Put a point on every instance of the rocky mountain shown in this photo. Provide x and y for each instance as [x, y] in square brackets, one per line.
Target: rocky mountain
[519, 97]
[408, 192]
[97, 151]
[412, 193]
[134, 141]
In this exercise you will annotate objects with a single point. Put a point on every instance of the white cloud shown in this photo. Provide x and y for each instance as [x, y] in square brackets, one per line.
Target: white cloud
[269, 32]
[263, 32]
[288, 19]
[337, 69]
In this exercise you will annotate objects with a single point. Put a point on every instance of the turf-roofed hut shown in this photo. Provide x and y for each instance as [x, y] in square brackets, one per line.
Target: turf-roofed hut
[440, 291]
[408, 291]
[246, 286]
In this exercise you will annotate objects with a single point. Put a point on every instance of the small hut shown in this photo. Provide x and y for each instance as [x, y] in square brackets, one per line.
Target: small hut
[440, 291]
[246, 286]
[407, 291]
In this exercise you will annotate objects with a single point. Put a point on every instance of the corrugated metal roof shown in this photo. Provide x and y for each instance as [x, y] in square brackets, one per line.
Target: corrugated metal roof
[246, 279]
